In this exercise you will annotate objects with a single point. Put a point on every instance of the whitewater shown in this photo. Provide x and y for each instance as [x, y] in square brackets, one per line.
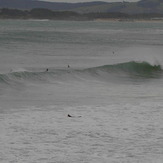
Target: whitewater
[81, 92]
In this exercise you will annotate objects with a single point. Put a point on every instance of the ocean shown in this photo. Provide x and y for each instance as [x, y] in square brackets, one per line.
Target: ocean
[107, 76]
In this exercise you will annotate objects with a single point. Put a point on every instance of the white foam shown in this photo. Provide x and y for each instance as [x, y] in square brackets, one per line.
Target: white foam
[112, 133]
[18, 70]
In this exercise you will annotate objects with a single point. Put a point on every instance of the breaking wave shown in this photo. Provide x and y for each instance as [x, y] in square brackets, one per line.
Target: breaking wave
[142, 69]
[128, 69]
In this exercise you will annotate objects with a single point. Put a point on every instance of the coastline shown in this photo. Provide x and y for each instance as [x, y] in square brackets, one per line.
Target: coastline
[130, 20]
[94, 20]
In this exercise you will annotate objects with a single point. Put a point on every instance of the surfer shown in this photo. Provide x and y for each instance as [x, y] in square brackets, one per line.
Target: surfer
[72, 116]
[68, 66]
[47, 69]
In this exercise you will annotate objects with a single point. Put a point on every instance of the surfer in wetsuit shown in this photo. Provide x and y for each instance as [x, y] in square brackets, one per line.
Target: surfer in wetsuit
[47, 69]
[68, 66]
[73, 116]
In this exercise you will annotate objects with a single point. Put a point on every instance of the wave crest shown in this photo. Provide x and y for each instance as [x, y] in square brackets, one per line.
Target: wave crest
[128, 69]
[143, 69]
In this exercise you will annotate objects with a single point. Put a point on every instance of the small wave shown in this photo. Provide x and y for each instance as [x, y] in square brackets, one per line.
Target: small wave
[22, 76]
[39, 20]
[18, 77]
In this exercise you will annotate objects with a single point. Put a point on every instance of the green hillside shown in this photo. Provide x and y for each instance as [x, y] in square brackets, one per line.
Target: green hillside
[142, 6]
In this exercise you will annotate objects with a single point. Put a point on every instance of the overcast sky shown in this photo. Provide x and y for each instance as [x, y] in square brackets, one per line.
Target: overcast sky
[76, 1]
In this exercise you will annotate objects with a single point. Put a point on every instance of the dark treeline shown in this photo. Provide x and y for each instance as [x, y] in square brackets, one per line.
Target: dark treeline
[40, 13]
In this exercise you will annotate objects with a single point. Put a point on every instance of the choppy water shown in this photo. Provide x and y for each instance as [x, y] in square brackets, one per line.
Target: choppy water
[112, 89]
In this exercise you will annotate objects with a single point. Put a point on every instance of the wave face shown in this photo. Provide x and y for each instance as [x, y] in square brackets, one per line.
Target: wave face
[141, 69]
[128, 70]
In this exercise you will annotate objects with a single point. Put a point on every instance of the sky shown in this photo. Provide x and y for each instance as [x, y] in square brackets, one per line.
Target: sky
[76, 1]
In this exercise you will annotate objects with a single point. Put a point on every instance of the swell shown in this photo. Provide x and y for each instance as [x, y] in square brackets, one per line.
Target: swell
[132, 68]
[128, 69]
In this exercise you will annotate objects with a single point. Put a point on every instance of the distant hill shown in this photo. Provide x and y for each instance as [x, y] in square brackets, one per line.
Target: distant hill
[30, 4]
[142, 6]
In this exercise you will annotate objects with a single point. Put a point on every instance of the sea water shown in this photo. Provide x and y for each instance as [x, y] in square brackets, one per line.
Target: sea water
[112, 89]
